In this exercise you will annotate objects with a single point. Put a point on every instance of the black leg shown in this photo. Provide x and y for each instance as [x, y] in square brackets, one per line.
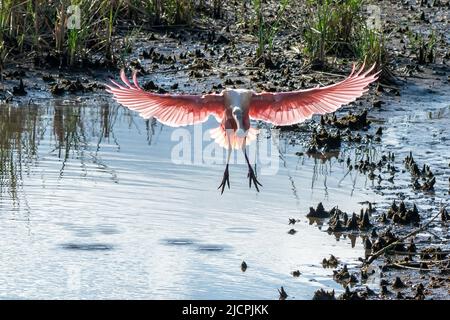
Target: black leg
[225, 180]
[251, 174]
[226, 176]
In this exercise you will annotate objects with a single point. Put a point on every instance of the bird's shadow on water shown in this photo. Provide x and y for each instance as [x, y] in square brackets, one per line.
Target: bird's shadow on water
[178, 242]
[87, 246]
[200, 246]
[240, 230]
[85, 232]
[195, 244]
[212, 248]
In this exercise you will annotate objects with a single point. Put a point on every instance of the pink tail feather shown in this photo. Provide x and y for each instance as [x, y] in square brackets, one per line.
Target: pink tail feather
[220, 136]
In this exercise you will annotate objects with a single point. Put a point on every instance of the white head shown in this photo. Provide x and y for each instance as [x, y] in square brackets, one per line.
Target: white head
[237, 115]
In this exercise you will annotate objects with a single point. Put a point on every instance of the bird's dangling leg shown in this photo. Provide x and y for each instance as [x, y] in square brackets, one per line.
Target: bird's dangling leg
[226, 176]
[251, 173]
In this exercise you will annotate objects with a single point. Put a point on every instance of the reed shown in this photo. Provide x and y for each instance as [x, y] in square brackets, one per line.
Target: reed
[341, 29]
[370, 46]
[267, 30]
[43, 27]
[423, 46]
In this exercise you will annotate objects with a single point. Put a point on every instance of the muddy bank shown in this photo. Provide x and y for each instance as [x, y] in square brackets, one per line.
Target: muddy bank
[219, 53]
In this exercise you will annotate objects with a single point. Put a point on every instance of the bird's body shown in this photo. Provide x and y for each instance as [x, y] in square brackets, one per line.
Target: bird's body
[235, 124]
[234, 108]
[237, 101]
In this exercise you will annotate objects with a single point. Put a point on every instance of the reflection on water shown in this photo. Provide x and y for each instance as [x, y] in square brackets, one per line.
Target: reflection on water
[71, 131]
[93, 207]
[19, 137]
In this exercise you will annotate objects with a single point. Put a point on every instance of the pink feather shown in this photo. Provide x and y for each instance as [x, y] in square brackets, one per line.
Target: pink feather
[170, 109]
[286, 108]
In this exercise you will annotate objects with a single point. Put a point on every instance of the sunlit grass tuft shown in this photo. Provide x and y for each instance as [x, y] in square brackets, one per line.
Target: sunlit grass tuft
[340, 28]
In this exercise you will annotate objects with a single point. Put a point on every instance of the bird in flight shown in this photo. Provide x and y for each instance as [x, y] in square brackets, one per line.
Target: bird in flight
[234, 108]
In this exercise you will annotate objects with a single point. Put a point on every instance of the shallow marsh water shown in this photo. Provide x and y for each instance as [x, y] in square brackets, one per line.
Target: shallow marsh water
[93, 207]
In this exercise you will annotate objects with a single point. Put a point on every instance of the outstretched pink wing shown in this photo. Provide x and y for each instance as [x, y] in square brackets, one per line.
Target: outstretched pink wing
[170, 109]
[286, 108]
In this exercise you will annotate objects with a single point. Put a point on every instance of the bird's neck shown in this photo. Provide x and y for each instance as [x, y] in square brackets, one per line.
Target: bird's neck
[238, 98]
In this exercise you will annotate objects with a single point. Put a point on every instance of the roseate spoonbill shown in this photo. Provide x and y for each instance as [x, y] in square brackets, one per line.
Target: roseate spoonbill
[234, 108]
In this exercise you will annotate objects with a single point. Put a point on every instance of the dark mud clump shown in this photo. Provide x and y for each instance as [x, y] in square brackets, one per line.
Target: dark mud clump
[445, 216]
[20, 89]
[420, 292]
[319, 212]
[399, 214]
[352, 295]
[76, 86]
[323, 141]
[296, 273]
[243, 266]
[351, 121]
[324, 295]
[340, 222]
[423, 179]
[352, 223]
[384, 291]
[385, 239]
[364, 220]
[367, 243]
[398, 284]
[331, 262]
[343, 276]
[433, 254]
